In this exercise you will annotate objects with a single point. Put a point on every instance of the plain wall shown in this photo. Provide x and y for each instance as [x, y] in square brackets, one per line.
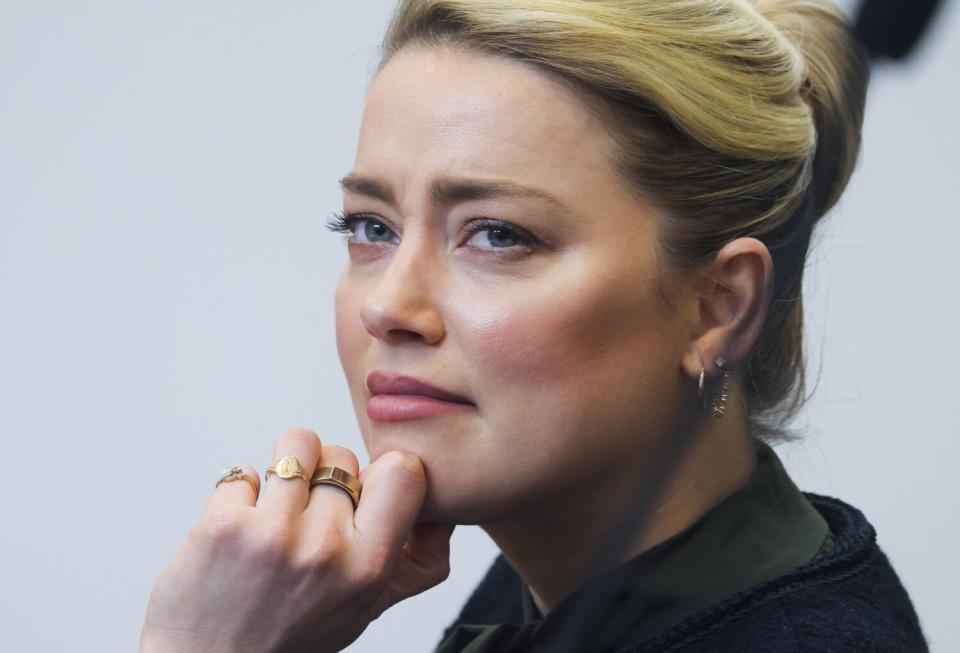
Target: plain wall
[166, 287]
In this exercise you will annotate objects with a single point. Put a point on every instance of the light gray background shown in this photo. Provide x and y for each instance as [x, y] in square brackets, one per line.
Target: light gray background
[166, 300]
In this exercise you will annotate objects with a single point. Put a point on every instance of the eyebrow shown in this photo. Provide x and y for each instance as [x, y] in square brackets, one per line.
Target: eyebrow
[447, 191]
[367, 187]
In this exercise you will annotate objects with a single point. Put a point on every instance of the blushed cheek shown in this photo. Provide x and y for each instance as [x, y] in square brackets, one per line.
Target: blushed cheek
[344, 318]
[560, 345]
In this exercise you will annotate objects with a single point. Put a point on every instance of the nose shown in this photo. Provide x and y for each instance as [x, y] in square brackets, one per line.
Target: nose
[401, 308]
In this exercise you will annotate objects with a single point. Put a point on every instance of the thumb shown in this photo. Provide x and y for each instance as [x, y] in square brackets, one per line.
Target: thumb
[394, 486]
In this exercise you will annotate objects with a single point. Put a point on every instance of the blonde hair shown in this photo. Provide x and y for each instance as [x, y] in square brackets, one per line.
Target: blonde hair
[737, 117]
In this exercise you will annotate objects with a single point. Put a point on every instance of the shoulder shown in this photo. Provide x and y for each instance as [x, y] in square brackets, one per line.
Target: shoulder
[849, 599]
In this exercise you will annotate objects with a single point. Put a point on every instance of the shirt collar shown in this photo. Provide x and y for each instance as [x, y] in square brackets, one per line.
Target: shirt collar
[760, 531]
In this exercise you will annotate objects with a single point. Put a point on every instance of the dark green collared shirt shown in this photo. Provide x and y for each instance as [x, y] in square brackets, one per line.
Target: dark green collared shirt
[761, 531]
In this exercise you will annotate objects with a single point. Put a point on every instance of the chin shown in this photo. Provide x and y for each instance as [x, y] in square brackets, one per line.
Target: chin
[453, 496]
[456, 506]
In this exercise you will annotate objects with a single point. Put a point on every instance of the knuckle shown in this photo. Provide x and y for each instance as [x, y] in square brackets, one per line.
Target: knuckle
[342, 454]
[219, 527]
[370, 573]
[271, 540]
[300, 436]
[322, 551]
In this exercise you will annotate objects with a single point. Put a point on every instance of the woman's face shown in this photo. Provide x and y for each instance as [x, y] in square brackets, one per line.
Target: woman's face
[496, 254]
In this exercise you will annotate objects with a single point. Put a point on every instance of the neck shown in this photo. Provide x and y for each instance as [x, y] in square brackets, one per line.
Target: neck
[557, 546]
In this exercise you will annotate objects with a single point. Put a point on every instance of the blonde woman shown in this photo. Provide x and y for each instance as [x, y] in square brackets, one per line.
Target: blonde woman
[571, 314]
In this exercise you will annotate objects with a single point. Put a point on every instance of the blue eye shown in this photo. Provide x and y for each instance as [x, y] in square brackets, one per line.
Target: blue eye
[496, 237]
[361, 228]
[484, 234]
[373, 231]
[492, 234]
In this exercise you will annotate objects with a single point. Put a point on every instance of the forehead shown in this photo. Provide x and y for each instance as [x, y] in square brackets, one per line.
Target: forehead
[436, 110]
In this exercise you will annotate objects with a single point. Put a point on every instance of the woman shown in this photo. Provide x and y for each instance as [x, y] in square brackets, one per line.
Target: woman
[571, 314]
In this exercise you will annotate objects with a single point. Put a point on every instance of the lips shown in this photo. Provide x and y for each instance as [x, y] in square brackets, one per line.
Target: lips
[397, 398]
[386, 383]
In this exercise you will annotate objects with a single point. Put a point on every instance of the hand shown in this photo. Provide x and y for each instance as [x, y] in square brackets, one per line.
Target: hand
[298, 570]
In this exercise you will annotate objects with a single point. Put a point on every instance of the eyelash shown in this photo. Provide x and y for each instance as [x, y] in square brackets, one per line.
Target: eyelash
[343, 223]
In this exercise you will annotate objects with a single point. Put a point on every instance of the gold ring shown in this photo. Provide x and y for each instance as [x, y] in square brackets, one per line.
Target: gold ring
[288, 467]
[236, 474]
[340, 478]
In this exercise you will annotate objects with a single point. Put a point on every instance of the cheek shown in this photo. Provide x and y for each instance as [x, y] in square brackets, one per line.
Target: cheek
[570, 363]
[563, 340]
[347, 323]
[352, 341]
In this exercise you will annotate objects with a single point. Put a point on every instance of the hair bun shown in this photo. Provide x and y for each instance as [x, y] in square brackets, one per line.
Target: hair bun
[835, 77]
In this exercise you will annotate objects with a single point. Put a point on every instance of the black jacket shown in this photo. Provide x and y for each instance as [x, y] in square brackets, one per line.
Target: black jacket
[849, 599]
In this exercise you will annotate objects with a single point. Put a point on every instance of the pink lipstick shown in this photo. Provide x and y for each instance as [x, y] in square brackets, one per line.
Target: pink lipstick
[397, 397]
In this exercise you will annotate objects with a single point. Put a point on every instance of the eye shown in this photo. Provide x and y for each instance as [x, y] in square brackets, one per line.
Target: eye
[368, 230]
[493, 234]
[362, 228]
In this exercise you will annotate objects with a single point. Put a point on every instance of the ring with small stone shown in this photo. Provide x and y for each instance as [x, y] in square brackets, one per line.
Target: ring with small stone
[235, 474]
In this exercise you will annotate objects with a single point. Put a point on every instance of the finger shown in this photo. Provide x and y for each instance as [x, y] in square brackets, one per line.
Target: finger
[428, 543]
[424, 561]
[290, 494]
[394, 487]
[329, 502]
[237, 489]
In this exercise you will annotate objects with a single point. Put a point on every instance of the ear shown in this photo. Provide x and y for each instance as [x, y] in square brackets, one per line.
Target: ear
[734, 294]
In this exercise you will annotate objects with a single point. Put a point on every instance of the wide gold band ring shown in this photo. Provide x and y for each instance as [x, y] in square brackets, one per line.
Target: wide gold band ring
[288, 467]
[236, 474]
[340, 478]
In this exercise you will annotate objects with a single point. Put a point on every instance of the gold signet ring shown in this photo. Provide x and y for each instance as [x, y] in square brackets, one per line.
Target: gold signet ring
[236, 474]
[288, 467]
[341, 478]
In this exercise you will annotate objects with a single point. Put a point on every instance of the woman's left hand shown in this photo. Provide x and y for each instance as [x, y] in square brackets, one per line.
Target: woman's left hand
[297, 569]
